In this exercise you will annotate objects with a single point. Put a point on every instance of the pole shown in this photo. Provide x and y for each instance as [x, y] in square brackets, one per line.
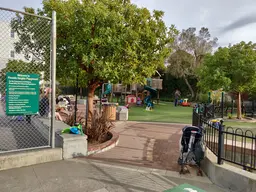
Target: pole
[209, 97]
[222, 104]
[53, 75]
[220, 144]
[76, 96]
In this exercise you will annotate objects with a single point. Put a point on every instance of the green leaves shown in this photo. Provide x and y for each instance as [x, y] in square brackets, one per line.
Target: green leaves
[106, 39]
[232, 68]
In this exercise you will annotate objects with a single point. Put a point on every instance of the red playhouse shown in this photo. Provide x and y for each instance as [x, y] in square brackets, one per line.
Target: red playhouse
[130, 99]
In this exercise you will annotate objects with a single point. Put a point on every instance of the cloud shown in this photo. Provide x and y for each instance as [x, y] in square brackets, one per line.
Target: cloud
[239, 23]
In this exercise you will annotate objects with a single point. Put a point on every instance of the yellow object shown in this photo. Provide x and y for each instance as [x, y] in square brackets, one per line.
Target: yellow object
[215, 120]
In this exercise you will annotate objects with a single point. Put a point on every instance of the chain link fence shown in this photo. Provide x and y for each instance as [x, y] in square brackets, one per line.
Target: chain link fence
[25, 81]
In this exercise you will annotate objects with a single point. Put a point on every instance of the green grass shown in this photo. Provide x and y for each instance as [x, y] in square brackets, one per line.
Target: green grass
[166, 112]
[163, 112]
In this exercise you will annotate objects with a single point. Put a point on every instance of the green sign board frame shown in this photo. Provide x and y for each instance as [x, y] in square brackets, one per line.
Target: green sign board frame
[22, 94]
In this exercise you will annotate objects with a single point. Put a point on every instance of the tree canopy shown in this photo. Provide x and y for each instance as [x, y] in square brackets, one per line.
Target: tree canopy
[106, 39]
[231, 68]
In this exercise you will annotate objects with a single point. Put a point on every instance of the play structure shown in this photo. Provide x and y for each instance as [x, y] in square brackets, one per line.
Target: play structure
[148, 99]
[134, 94]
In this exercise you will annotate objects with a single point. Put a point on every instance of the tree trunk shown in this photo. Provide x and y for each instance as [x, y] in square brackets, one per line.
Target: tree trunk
[90, 98]
[189, 87]
[239, 107]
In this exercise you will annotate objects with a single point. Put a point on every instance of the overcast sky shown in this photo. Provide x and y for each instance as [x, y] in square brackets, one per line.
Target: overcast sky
[231, 21]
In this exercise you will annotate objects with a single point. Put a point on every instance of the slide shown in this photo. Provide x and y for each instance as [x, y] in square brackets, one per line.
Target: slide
[147, 100]
[108, 89]
[153, 92]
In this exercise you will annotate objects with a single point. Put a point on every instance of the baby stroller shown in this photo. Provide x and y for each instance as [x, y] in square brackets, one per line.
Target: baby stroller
[192, 148]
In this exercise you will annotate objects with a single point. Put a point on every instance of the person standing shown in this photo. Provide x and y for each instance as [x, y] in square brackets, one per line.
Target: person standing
[176, 97]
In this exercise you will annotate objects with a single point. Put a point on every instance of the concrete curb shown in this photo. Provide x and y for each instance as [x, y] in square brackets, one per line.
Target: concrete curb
[94, 149]
[227, 176]
[31, 157]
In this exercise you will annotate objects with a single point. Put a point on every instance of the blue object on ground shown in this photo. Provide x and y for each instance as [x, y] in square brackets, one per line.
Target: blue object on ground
[75, 130]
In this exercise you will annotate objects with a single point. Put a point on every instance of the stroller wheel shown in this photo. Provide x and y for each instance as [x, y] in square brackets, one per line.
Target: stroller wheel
[180, 161]
[199, 173]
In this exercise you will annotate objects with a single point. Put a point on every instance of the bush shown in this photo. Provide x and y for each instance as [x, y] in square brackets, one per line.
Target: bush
[100, 127]
[203, 97]
[70, 119]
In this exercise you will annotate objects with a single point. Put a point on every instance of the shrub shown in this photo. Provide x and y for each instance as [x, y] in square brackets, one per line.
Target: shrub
[203, 97]
[99, 129]
[70, 119]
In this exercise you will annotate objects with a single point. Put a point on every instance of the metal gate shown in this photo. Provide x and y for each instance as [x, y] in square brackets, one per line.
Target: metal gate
[27, 80]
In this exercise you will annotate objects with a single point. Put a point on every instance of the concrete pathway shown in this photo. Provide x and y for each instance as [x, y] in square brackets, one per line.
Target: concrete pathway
[94, 176]
[154, 145]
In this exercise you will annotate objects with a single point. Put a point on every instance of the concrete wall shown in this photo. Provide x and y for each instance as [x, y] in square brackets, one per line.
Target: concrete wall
[67, 146]
[26, 158]
[227, 176]
[72, 145]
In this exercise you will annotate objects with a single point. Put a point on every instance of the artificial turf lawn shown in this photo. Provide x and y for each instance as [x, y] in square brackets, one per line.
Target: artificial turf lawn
[167, 112]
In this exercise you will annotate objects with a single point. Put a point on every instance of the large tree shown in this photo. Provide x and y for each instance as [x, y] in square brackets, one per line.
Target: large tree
[108, 40]
[179, 65]
[232, 68]
[190, 49]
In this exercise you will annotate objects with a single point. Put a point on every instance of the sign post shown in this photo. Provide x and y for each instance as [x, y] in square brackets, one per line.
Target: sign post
[22, 94]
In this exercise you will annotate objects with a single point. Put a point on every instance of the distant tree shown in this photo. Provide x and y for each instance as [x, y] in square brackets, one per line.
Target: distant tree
[180, 66]
[231, 68]
[191, 49]
[18, 66]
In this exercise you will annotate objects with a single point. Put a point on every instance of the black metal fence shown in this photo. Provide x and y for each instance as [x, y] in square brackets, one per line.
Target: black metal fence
[236, 146]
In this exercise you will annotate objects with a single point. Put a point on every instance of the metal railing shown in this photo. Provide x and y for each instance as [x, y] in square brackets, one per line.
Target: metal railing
[233, 145]
[27, 63]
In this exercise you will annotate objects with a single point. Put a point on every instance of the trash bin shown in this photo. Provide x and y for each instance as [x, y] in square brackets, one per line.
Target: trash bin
[110, 110]
[122, 113]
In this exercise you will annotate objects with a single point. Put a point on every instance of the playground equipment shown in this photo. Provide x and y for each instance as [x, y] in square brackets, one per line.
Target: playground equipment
[108, 89]
[130, 99]
[184, 103]
[150, 93]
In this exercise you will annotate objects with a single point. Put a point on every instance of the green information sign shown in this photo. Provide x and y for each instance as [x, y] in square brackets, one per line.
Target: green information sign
[185, 188]
[22, 93]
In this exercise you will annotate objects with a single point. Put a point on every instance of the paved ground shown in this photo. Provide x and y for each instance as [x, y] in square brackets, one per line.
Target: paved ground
[146, 144]
[93, 176]
[20, 134]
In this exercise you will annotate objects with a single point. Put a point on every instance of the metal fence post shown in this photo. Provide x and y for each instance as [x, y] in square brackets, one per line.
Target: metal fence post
[222, 104]
[220, 144]
[53, 74]
[205, 110]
